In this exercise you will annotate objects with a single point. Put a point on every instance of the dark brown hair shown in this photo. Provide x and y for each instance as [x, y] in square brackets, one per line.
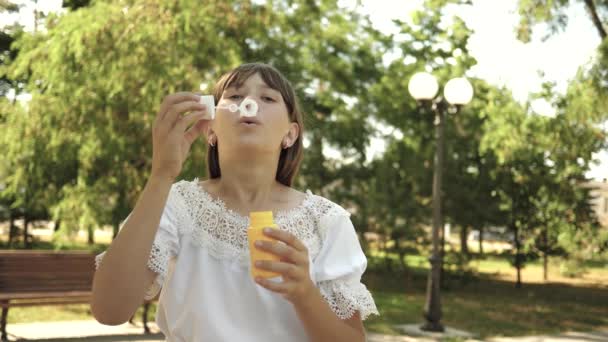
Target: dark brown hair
[290, 158]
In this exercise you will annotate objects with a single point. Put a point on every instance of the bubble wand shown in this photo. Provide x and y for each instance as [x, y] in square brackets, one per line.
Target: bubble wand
[247, 108]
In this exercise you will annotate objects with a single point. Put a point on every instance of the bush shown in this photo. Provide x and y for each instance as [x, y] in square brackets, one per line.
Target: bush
[572, 268]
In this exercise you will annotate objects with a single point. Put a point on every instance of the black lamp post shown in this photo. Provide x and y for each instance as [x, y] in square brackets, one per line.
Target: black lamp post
[457, 92]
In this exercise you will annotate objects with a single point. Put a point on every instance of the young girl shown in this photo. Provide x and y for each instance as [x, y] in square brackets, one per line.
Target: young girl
[190, 238]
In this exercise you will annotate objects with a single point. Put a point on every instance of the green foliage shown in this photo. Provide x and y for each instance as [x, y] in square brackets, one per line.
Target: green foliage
[572, 268]
[97, 75]
[541, 167]
[533, 12]
[572, 137]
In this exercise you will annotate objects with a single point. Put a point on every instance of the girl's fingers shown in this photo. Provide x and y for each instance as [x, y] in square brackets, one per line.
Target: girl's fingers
[286, 237]
[173, 115]
[176, 98]
[287, 270]
[279, 287]
[195, 131]
[284, 251]
[184, 121]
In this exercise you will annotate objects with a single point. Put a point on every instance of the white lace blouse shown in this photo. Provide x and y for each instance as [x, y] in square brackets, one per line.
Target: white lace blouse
[201, 256]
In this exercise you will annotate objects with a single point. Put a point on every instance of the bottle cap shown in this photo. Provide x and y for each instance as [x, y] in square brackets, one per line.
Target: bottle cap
[209, 102]
[261, 219]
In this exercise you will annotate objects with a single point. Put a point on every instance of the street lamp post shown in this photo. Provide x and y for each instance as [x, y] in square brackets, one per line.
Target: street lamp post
[457, 92]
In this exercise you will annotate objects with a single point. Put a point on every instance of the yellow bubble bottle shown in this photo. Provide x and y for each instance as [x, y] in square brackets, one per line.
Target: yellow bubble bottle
[258, 221]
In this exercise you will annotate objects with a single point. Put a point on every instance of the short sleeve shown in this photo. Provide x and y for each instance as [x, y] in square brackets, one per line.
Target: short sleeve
[338, 267]
[166, 243]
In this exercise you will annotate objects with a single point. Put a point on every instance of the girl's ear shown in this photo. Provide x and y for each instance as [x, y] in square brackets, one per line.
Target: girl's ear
[208, 132]
[292, 135]
[211, 136]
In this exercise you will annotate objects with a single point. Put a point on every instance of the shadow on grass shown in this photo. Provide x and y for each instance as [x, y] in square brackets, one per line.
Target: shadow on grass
[488, 307]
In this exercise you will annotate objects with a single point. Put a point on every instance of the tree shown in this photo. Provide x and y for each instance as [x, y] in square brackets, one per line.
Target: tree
[469, 202]
[18, 201]
[574, 134]
[555, 15]
[97, 75]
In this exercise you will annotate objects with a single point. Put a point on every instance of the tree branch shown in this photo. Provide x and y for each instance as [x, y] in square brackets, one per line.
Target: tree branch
[595, 18]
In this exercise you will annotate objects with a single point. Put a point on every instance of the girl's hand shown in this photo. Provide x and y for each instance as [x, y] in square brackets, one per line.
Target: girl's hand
[170, 140]
[293, 266]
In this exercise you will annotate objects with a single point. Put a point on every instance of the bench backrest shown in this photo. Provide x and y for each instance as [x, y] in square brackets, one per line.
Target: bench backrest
[41, 271]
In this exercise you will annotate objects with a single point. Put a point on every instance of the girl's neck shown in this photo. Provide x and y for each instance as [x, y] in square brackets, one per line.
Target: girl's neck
[249, 185]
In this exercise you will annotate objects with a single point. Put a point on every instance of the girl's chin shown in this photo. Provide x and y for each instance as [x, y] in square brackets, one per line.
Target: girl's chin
[251, 145]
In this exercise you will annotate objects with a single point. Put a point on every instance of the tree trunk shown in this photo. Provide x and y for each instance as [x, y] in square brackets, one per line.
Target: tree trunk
[12, 229]
[545, 255]
[384, 250]
[481, 241]
[115, 229]
[464, 246]
[57, 225]
[518, 256]
[26, 240]
[545, 266]
[388, 263]
[595, 18]
[91, 235]
[402, 260]
[442, 278]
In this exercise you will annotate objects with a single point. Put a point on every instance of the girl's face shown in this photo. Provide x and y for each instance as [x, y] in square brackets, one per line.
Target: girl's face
[268, 131]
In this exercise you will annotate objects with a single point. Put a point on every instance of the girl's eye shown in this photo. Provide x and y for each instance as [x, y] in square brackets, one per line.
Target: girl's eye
[234, 97]
[268, 99]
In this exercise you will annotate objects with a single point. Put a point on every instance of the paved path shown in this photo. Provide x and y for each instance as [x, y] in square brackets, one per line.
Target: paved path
[91, 331]
[596, 336]
[80, 331]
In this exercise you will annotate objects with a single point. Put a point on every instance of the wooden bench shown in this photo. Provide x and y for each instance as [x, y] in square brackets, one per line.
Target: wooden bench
[33, 278]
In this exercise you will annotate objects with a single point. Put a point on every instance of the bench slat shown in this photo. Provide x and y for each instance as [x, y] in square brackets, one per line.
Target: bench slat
[51, 302]
[41, 295]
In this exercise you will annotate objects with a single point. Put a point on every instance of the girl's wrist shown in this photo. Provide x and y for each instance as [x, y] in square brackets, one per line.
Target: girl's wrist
[306, 300]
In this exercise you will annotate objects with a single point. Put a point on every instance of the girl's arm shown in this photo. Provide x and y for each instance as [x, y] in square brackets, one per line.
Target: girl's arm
[322, 324]
[122, 278]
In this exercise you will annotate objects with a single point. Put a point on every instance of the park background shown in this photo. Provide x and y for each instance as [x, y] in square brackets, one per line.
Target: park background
[525, 200]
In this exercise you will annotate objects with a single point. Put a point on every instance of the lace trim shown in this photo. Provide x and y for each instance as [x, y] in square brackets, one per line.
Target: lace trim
[161, 251]
[345, 298]
[158, 262]
[98, 259]
[223, 232]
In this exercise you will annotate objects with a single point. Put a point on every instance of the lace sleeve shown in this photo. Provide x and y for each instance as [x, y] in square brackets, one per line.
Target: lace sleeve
[346, 296]
[338, 268]
[166, 243]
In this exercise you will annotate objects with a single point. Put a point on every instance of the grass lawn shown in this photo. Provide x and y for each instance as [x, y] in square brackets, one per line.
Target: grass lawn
[490, 307]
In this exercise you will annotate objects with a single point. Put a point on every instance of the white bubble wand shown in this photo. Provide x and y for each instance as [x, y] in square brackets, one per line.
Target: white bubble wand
[247, 108]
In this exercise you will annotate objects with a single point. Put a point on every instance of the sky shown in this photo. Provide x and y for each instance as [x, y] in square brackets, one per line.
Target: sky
[502, 59]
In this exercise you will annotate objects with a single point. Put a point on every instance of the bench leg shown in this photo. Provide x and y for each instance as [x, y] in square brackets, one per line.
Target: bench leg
[3, 322]
[145, 318]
